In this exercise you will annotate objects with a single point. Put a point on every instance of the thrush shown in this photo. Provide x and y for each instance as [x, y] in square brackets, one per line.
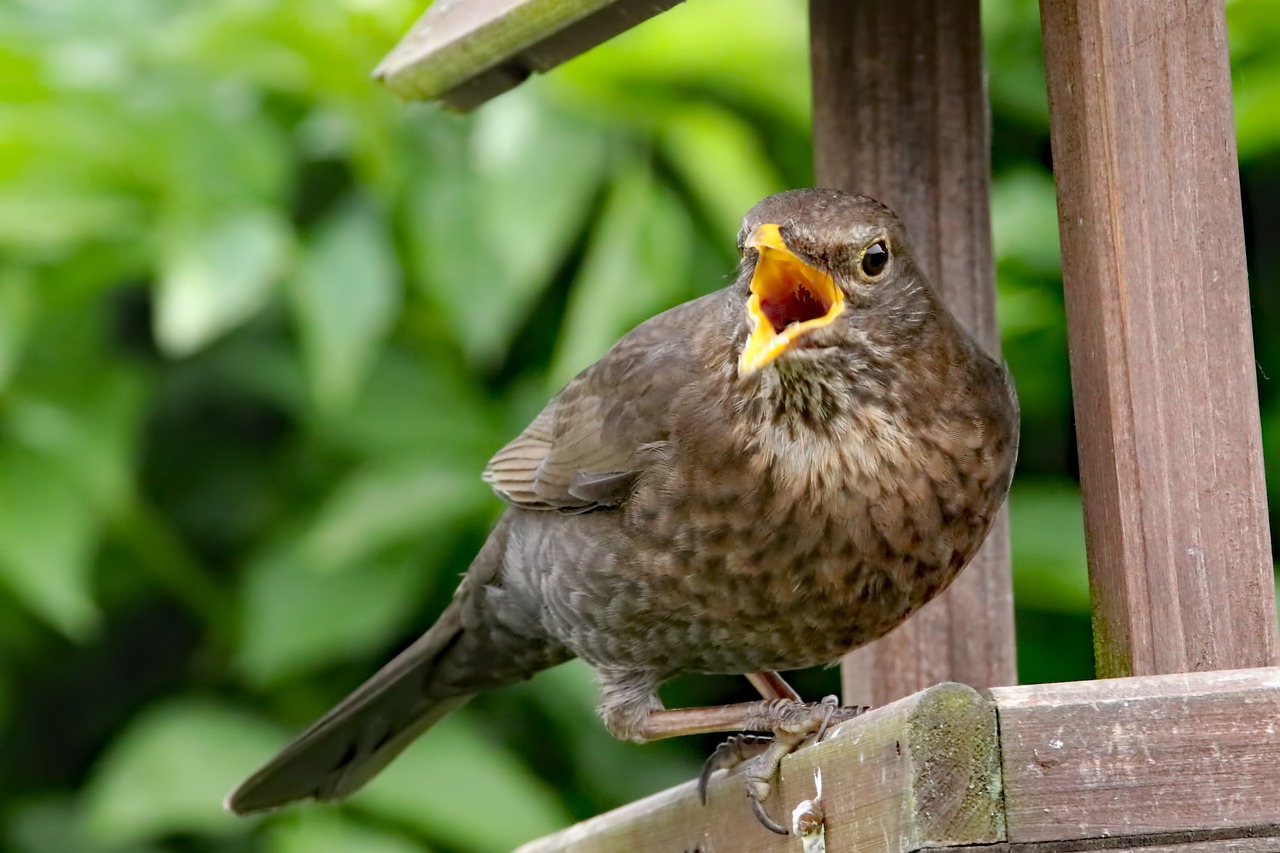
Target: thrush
[758, 480]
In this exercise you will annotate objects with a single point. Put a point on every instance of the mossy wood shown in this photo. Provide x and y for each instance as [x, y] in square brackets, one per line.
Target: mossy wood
[1157, 763]
[919, 773]
[464, 52]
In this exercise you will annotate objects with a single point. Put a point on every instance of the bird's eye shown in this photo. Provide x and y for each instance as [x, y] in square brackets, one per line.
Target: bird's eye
[874, 259]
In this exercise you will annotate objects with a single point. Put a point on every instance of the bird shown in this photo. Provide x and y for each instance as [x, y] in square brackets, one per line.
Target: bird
[761, 479]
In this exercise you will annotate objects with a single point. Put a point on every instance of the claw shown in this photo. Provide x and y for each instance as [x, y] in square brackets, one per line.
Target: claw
[834, 714]
[757, 809]
[829, 710]
[793, 725]
[728, 755]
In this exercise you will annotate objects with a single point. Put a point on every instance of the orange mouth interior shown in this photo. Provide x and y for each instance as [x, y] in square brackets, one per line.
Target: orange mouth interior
[788, 299]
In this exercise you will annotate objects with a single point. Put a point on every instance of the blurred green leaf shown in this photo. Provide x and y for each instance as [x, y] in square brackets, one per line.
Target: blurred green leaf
[46, 541]
[1011, 32]
[1050, 569]
[489, 237]
[170, 769]
[296, 619]
[757, 55]
[345, 296]
[1024, 223]
[1257, 119]
[87, 429]
[721, 159]
[1253, 32]
[217, 274]
[49, 217]
[453, 782]
[390, 501]
[634, 267]
[17, 305]
[322, 832]
[411, 408]
[56, 825]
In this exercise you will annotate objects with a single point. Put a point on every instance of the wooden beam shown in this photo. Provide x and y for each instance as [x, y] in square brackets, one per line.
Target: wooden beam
[900, 113]
[1162, 361]
[920, 773]
[464, 52]
[1157, 755]
[1263, 840]
[1182, 763]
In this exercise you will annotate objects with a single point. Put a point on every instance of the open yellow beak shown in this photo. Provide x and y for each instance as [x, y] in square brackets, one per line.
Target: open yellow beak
[788, 299]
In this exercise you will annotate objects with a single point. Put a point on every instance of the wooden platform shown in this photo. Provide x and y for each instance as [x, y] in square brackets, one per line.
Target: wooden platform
[1155, 763]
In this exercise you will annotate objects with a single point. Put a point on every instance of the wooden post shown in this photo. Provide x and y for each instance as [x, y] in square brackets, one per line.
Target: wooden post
[1161, 352]
[900, 114]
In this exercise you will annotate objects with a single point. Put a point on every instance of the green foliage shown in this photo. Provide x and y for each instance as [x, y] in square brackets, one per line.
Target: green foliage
[261, 326]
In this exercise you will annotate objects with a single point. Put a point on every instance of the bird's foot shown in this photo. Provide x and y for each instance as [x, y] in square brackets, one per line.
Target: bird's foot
[732, 753]
[793, 725]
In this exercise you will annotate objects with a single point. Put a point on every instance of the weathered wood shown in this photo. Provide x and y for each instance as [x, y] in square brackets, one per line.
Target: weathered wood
[1263, 839]
[464, 52]
[1189, 843]
[1138, 756]
[900, 113]
[920, 773]
[1162, 361]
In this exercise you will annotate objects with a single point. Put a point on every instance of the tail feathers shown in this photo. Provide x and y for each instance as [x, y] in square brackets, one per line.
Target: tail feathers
[353, 742]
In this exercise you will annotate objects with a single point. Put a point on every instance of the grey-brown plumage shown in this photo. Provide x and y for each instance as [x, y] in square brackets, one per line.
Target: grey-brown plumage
[743, 483]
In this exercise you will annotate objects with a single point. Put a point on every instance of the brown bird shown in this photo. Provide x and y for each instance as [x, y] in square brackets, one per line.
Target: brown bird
[761, 479]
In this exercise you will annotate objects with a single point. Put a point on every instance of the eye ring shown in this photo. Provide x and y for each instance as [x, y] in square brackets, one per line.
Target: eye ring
[874, 259]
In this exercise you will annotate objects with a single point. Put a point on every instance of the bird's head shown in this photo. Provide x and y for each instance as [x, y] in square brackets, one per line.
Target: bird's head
[822, 269]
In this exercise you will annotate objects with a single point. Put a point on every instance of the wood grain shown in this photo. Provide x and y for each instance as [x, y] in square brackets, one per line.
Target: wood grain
[1141, 756]
[1258, 840]
[464, 52]
[1162, 361]
[919, 773]
[900, 113]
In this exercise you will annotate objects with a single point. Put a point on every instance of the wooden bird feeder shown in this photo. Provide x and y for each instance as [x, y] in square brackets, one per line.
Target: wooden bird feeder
[1177, 748]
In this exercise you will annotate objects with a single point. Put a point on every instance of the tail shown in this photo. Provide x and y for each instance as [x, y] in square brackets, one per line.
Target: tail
[353, 742]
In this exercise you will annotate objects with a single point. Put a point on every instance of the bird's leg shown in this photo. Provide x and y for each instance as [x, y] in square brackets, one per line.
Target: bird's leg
[792, 724]
[770, 685]
[738, 749]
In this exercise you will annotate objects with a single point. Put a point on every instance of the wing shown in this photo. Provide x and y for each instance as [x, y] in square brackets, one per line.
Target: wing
[589, 445]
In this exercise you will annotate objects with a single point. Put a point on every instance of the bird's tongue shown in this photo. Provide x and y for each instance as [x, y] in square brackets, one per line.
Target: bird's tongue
[794, 303]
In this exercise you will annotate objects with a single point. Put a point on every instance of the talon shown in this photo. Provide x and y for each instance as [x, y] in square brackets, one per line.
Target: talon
[829, 710]
[793, 725]
[757, 809]
[836, 714]
[729, 754]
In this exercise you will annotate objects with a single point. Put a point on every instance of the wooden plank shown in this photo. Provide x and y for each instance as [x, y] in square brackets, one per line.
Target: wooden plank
[900, 113]
[1252, 844]
[1188, 843]
[920, 773]
[1162, 358]
[1258, 840]
[464, 52]
[1137, 756]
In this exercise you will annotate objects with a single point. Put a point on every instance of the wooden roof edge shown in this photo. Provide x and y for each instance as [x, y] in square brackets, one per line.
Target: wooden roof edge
[464, 52]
